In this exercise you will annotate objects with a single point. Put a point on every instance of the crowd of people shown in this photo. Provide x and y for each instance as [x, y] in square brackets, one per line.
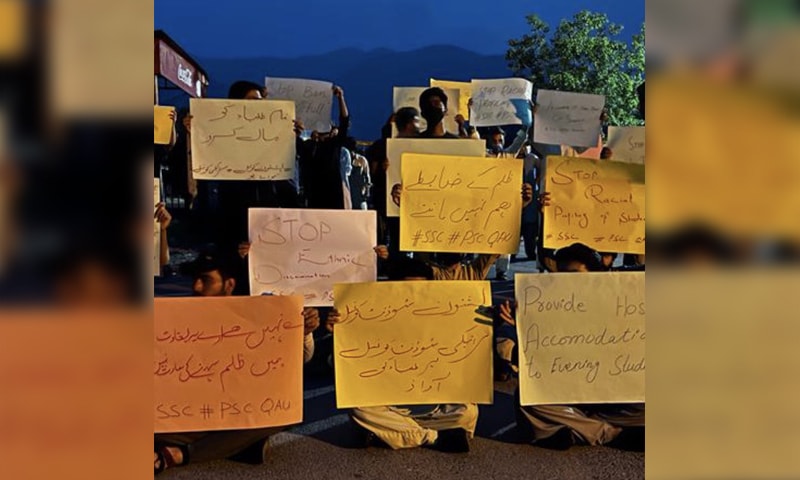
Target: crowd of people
[333, 174]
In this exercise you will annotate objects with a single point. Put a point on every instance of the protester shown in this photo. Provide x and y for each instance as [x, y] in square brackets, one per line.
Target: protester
[559, 427]
[321, 161]
[360, 180]
[433, 108]
[407, 122]
[446, 427]
[226, 202]
[214, 276]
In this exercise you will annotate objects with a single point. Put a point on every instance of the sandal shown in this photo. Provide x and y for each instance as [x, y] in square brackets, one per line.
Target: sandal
[164, 458]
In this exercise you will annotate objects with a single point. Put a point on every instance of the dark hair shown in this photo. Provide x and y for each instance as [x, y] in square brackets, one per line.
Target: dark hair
[406, 267]
[241, 88]
[405, 116]
[425, 97]
[578, 252]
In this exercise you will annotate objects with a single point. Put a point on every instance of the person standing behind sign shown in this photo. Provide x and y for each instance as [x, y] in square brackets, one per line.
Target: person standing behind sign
[321, 172]
[433, 108]
[227, 201]
[407, 121]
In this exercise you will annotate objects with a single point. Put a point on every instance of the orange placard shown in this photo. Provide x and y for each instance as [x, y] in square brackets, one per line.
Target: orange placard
[227, 363]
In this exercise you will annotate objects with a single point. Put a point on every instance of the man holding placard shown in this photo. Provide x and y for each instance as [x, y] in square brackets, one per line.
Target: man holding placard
[600, 363]
[214, 277]
[269, 145]
[449, 343]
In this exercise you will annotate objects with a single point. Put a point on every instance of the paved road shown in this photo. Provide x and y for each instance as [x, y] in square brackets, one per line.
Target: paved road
[324, 446]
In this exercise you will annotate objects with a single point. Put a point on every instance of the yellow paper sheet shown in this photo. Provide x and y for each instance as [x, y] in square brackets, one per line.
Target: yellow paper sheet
[227, 363]
[465, 93]
[460, 204]
[412, 343]
[162, 125]
[581, 337]
[243, 139]
[597, 203]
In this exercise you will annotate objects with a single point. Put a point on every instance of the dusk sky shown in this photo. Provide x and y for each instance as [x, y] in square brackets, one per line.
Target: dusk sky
[289, 28]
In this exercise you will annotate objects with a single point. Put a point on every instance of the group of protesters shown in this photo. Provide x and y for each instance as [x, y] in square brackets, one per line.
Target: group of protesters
[327, 162]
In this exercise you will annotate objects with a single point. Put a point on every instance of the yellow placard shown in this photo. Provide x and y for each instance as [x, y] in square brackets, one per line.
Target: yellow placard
[412, 343]
[14, 33]
[243, 139]
[465, 90]
[162, 125]
[598, 203]
[460, 204]
[581, 337]
[227, 363]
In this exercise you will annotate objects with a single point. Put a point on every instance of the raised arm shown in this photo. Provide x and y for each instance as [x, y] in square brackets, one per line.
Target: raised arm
[344, 113]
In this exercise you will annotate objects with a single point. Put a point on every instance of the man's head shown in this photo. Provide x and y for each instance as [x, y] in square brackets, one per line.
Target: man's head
[606, 153]
[244, 90]
[497, 140]
[607, 259]
[213, 276]
[433, 105]
[578, 258]
[407, 122]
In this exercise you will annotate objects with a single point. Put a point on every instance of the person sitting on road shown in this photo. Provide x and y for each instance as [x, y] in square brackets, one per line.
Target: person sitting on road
[445, 427]
[214, 277]
[559, 427]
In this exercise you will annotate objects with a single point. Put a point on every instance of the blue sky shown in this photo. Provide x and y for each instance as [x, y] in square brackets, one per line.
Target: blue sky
[290, 28]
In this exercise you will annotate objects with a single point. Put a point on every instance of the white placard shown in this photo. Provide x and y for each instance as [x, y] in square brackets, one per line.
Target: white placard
[304, 252]
[626, 144]
[312, 99]
[242, 139]
[501, 102]
[566, 118]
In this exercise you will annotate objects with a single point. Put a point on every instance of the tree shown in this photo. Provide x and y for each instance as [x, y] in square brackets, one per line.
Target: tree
[583, 55]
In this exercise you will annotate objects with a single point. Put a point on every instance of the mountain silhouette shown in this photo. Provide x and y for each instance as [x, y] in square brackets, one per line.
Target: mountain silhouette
[367, 77]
